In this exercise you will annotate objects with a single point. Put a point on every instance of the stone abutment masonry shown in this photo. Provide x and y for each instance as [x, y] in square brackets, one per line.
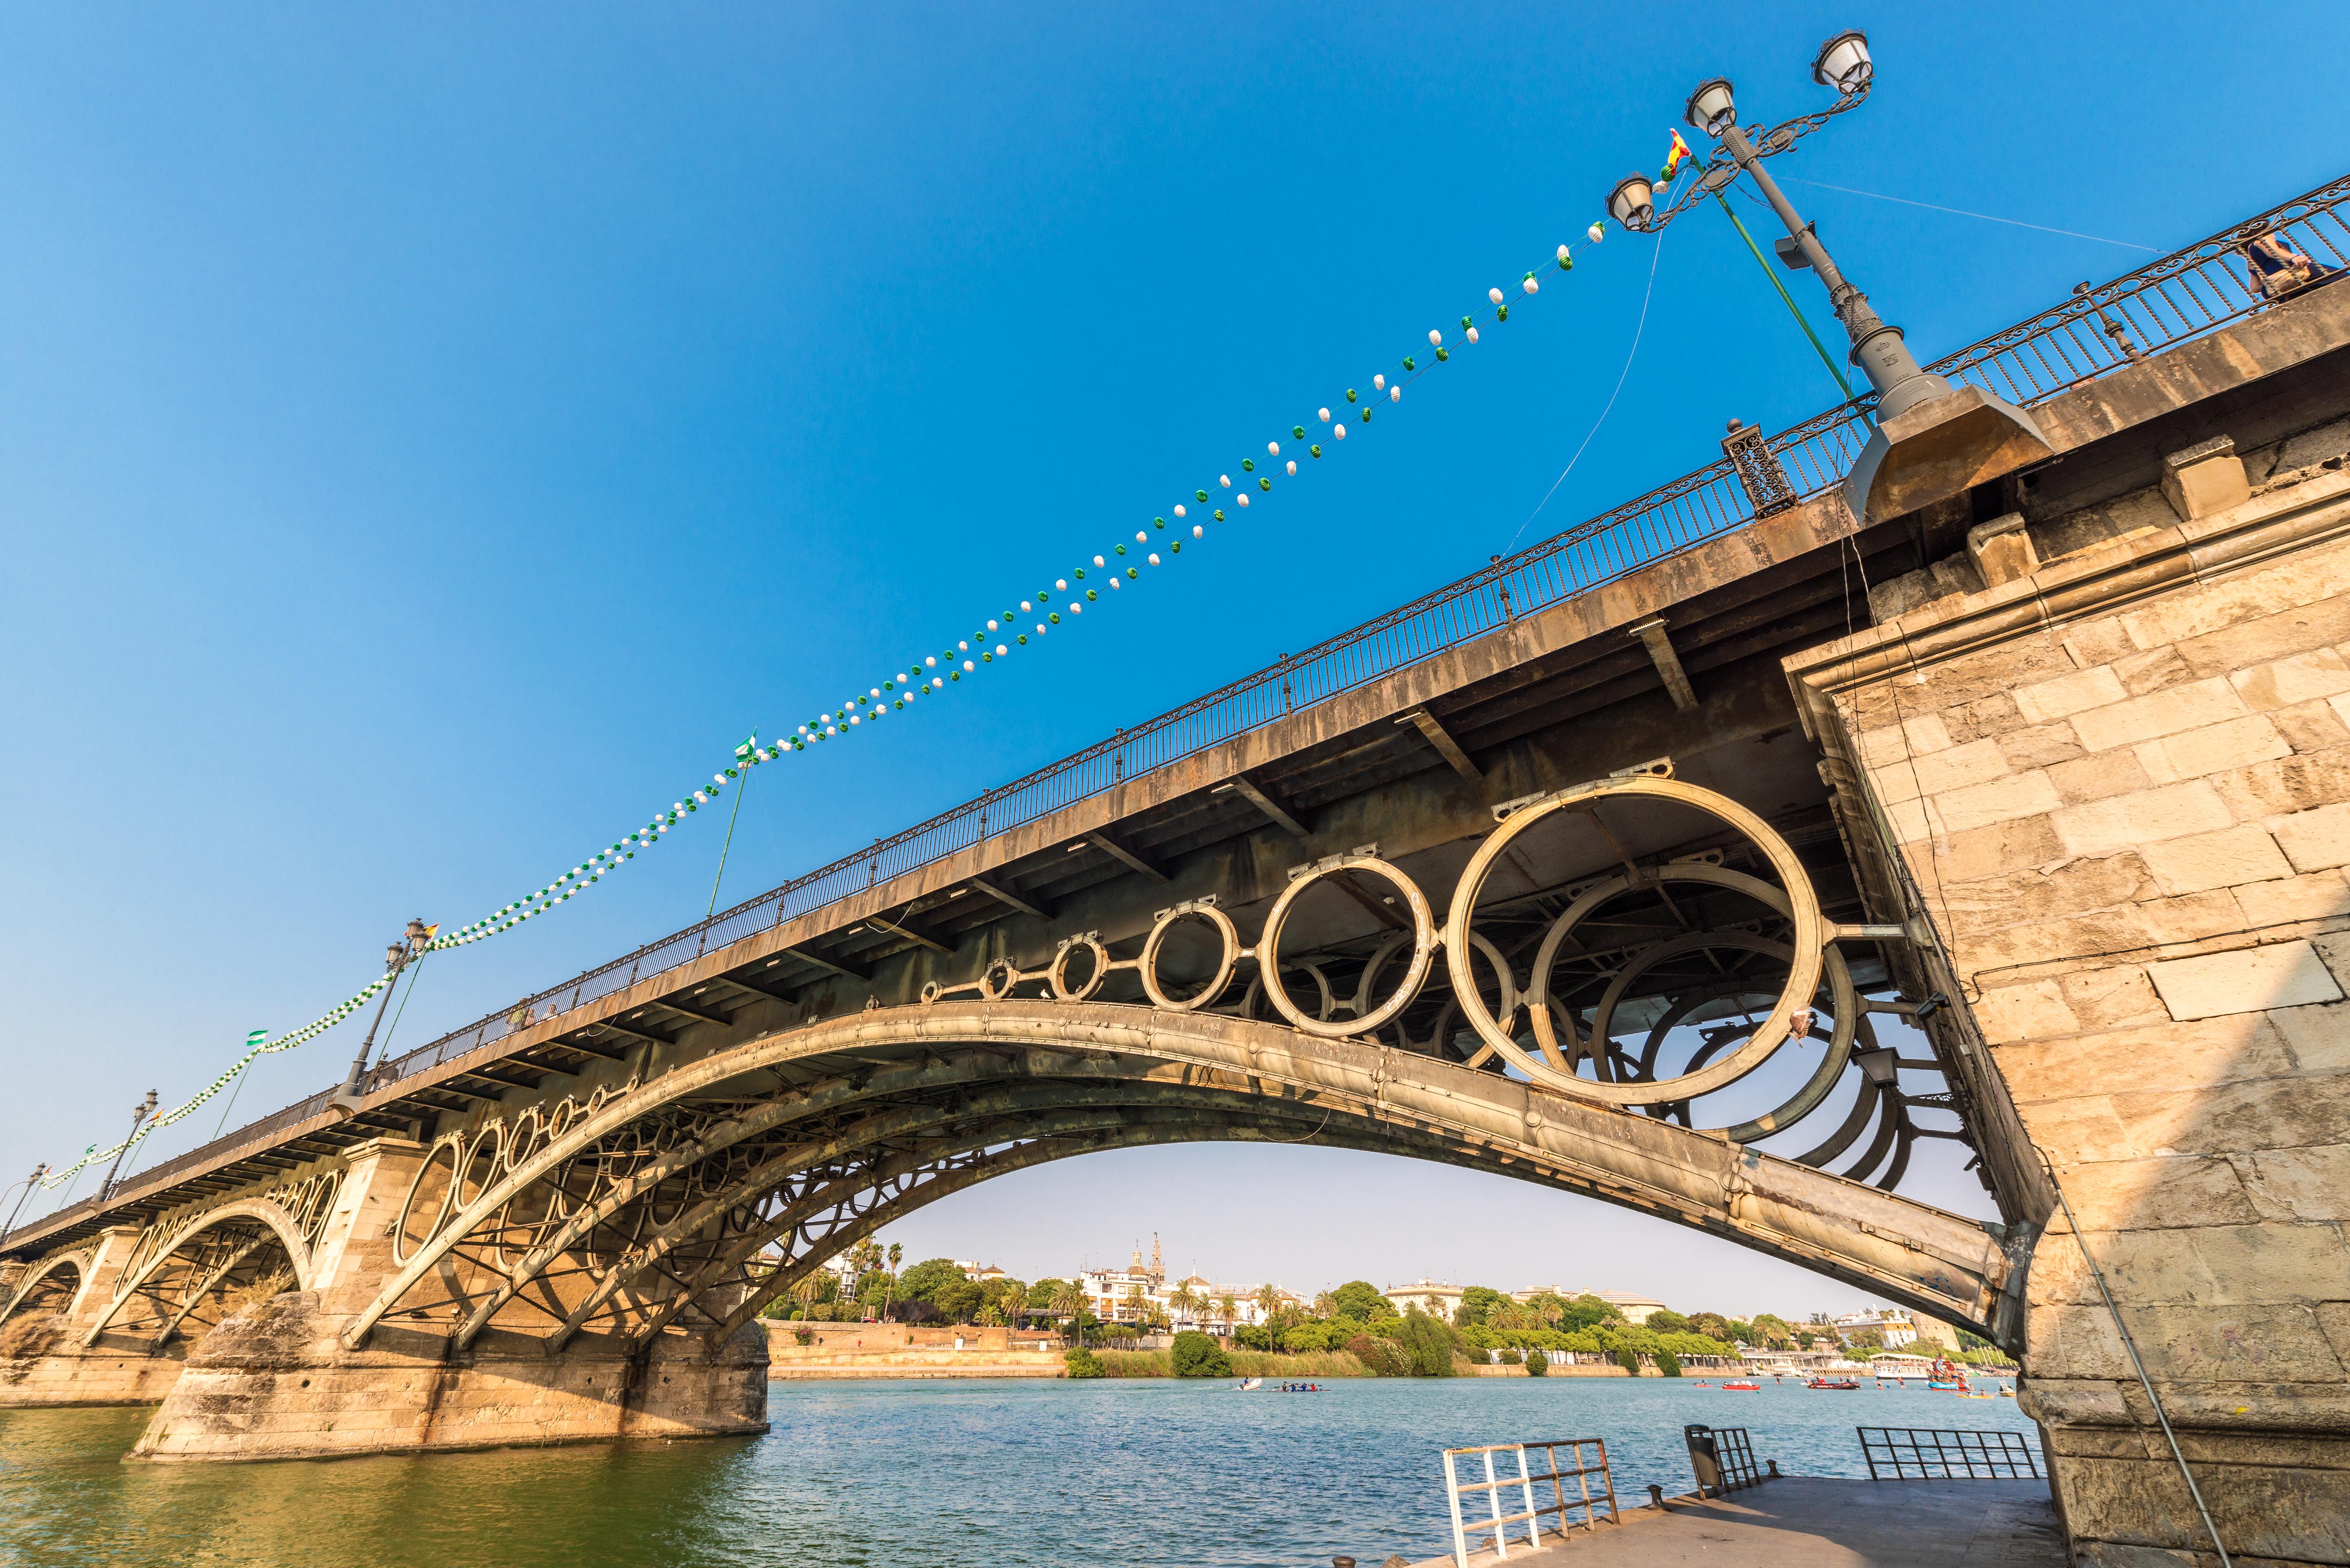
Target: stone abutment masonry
[2117, 785]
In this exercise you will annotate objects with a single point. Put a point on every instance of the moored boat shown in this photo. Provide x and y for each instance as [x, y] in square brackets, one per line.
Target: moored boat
[1741, 1387]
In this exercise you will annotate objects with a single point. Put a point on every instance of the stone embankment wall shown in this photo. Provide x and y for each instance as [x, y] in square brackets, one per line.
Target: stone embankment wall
[2118, 782]
[895, 1350]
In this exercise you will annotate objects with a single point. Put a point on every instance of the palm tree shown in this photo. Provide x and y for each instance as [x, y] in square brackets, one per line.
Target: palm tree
[1268, 1302]
[1325, 1304]
[1227, 1309]
[1184, 1303]
[810, 1283]
[889, 1281]
[1136, 1300]
[1068, 1302]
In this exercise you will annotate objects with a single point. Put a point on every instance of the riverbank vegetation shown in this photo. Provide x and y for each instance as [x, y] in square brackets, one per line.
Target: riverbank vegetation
[1321, 1368]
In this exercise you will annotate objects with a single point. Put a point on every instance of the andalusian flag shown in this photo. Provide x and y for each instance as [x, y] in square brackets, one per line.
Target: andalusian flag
[1673, 158]
[750, 743]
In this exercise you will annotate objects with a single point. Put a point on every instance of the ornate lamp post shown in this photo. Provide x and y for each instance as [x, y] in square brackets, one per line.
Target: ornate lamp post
[404, 950]
[30, 1182]
[139, 1113]
[1998, 437]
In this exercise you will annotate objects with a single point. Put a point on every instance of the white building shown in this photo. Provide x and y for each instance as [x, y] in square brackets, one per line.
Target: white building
[1635, 1307]
[1893, 1328]
[1433, 1297]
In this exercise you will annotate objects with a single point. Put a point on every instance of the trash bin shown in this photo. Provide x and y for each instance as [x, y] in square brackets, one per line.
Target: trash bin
[1705, 1458]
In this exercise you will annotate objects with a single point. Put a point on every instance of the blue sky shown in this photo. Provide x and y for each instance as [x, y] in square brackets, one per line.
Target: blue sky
[430, 438]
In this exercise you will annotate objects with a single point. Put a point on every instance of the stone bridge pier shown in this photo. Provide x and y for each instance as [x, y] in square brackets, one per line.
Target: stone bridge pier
[2115, 782]
[227, 1315]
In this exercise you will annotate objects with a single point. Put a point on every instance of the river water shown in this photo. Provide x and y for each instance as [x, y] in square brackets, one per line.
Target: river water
[1184, 1474]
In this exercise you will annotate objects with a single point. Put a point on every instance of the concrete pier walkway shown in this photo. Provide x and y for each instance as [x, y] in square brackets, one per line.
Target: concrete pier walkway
[1800, 1522]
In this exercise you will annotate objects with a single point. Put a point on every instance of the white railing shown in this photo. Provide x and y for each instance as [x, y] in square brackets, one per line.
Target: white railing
[1496, 1524]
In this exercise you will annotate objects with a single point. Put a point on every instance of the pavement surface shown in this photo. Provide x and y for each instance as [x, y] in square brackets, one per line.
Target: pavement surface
[1799, 1522]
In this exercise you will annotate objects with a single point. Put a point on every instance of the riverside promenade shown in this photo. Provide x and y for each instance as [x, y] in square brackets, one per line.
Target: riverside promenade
[1809, 1521]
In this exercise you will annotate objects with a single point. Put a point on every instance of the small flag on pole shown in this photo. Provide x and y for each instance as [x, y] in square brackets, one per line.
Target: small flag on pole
[1673, 159]
[750, 743]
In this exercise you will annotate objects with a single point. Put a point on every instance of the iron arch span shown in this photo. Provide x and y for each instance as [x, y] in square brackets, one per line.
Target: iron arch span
[48, 1288]
[186, 1274]
[658, 1208]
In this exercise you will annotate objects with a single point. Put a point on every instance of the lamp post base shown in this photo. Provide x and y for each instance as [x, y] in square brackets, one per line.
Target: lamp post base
[1938, 448]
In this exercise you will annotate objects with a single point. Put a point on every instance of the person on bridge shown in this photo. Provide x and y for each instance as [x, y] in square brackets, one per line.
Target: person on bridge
[2279, 269]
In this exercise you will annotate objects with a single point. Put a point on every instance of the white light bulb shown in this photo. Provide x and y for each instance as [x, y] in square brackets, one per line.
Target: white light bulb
[1435, 338]
[1322, 414]
[1197, 531]
[1495, 295]
[1060, 584]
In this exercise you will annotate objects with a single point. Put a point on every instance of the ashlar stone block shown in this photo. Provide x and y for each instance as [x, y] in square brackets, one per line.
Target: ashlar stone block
[2318, 1038]
[2069, 695]
[2036, 1012]
[2220, 859]
[2111, 998]
[2321, 673]
[2320, 897]
[2144, 816]
[1977, 762]
[2306, 1185]
[2158, 713]
[2235, 743]
[2253, 980]
[2000, 800]
[2316, 838]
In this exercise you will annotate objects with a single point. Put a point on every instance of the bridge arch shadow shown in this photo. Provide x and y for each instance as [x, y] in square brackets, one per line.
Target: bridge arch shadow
[680, 1206]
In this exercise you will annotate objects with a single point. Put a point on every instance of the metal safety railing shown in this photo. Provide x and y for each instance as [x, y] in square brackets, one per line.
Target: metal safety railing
[1580, 1467]
[2167, 302]
[1722, 1458]
[1936, 1453]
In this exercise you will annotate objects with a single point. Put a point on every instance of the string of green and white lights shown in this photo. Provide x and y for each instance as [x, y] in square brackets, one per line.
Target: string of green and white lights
[931, 675]
[1000, 636]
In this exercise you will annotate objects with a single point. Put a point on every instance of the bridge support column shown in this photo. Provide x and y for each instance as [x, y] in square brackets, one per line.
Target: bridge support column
[43, 1361]
[275, 1381]
[2119, 789]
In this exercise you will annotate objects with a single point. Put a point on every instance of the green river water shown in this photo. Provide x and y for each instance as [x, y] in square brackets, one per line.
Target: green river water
[906, 1473]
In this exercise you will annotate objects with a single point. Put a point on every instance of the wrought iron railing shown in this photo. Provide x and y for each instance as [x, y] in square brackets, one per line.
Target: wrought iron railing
[2161, 305]
[1942, 1453]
